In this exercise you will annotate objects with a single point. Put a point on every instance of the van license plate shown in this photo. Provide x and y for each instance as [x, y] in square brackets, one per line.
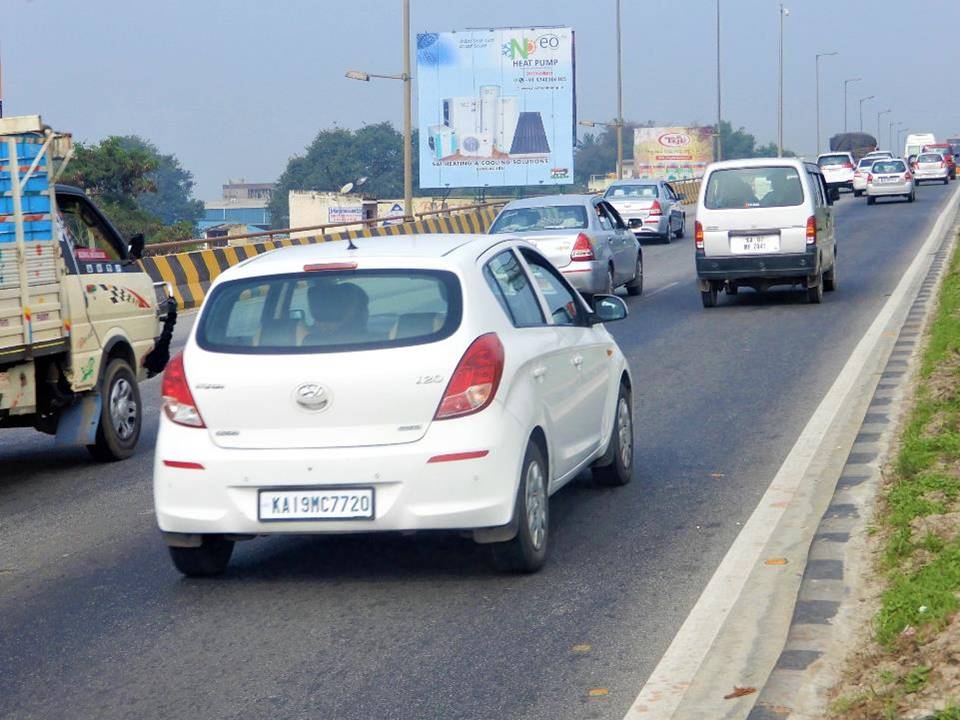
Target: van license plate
[754, 244]
[316, 504]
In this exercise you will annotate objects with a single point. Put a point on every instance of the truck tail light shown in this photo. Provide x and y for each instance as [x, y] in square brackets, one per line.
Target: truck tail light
[811, 230]
[474, 383]
[178, 403]
[582, 249]
[698, 235]
[655, 209]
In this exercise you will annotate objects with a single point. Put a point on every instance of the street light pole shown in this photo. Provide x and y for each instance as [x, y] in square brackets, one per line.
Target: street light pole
[719, 153]
[879, 115]
[820, 55]
[619, 100]
[892, 126]
[783, 11]
[899, 133]
[407, 116]
[862, 101]
[845, 83]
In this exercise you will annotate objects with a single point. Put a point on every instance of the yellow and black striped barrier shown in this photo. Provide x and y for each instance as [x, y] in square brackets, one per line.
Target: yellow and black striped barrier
[190, 273]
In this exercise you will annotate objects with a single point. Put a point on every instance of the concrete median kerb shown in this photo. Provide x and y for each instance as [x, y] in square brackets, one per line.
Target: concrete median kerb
[776, 627]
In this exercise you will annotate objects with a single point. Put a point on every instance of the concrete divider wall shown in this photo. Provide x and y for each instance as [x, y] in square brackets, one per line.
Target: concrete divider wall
[190, 273]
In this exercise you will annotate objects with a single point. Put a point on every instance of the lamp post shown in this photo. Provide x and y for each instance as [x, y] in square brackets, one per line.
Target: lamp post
[892, 126]
[820, 55]
[845, 83]
[407, 109]
[862, 101]
[783, 13]
[619, 100]
[879, 115]
[719, 152]
[899, 133]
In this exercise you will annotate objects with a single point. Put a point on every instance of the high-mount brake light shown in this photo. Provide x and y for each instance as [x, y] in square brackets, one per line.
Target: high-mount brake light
[328, 267]
[582, 249]
[474, 383]
[178, 403]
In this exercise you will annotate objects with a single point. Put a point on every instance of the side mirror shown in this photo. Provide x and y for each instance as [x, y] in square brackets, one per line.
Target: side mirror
[607, 308]
[135, 249]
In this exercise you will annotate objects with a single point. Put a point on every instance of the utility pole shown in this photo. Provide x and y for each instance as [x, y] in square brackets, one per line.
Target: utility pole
[619, 99]
[783, 11]
[719, 152]
[879, 115]
[862, 101]
[407, 116]
[845, 83]
[820, 55]
[892, 126]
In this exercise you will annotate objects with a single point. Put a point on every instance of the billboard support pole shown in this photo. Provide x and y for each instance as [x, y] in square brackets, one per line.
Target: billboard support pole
[407, 119]
[619, 100]
[719, 151]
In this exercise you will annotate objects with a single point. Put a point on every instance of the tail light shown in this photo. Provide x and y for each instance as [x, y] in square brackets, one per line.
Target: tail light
[178, 403]
[811, 230]
[847, 166]
[858, 174]
[907, 176]
[582, 249]
[698, 235]
[474, 383]
[869, 177]
[942, 164]
[655, 209]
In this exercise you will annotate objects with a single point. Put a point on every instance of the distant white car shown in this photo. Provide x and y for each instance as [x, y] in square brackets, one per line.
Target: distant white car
[860, 174]
[931, 167]
[837, 169]
[890, 178]
[426, 382]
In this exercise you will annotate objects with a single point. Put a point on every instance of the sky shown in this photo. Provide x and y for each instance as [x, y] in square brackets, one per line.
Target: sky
[234, 88]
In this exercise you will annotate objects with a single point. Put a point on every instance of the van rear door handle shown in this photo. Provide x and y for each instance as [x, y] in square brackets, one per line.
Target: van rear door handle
[539, 372]
[577, 360]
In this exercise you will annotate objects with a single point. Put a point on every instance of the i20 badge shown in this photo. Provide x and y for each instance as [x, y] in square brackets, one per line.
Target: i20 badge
[312, 396]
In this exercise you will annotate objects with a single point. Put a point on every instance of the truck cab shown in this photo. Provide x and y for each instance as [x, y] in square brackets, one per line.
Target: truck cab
[81, 322]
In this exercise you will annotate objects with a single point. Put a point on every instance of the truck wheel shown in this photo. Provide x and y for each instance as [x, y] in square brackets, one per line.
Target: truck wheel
[121, 414]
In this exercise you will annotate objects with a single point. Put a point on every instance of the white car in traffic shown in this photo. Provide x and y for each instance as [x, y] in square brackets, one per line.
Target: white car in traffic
[860, 174]
[837, 169]
[931, 167]
[417, 383]
[890, 178]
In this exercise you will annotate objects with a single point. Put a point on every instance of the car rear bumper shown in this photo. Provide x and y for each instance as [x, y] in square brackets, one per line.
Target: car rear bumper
[737, 267]
[848, 183]
[874, 190]
[410, 492]
[586, 277]
[647, 226]
[859, 183]
[920, 176]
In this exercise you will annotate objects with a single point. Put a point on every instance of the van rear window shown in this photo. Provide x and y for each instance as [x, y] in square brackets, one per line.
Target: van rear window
[331, 311]
[753, 187]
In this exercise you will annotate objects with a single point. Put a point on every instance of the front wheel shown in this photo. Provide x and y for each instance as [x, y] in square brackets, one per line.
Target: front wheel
[121, 413]
[616, 466]
[635, 286]
[527, 551]
[211, 558]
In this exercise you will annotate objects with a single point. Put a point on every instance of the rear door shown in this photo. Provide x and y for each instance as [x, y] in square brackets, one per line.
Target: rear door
[623, 245]
[823, 212]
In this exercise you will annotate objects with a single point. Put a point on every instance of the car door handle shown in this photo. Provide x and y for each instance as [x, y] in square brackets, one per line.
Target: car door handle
[577, 360]
[539, 372]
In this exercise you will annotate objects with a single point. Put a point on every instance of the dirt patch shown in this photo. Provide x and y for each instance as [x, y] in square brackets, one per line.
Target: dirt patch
[945, 526]
[940, 422]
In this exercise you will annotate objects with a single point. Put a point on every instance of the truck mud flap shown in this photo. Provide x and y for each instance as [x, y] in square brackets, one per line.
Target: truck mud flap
[77, 424]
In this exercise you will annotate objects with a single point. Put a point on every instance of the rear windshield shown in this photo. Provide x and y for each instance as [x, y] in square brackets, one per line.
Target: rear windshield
[889, 166]
[331, 311]
[623, 192]
[833, 160]
[930, 157]
[867, 162]
[556, 217]
[755, 187]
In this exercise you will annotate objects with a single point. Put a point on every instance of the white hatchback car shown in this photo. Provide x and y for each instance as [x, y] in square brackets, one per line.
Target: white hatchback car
[416, 383]
[931, 166]
[890, 178]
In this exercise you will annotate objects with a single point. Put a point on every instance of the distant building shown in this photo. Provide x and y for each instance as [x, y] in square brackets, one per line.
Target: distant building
[242, 203]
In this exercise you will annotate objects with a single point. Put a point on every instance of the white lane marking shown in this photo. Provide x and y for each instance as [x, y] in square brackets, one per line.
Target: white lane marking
[665, 287]
[664, 690]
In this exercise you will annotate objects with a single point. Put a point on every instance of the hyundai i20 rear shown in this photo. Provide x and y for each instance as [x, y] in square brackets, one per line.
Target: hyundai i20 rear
[418, 383]
[890, 178]
[764, 222]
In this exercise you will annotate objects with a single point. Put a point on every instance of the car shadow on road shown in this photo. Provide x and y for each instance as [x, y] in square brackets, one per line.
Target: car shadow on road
[747, 297]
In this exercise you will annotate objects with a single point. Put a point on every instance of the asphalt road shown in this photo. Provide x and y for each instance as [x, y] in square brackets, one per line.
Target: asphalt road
[96, 623]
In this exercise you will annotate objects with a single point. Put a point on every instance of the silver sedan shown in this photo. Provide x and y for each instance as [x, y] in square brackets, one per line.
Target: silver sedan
[582, 235]
[650, 208]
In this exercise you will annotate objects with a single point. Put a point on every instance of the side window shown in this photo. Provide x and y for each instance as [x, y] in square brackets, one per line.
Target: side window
[816, 189]
[562, 301]
[90, 237]
[614, 216]
[511, 286]
[605, 222]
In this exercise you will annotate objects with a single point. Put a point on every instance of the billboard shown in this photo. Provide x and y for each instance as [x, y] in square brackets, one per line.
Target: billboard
[671, 153]
[496, 107]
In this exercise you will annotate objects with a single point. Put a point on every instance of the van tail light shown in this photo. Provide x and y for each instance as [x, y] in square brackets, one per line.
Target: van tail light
[178, 403]
[655, 209]
[811, 230]
[698, 235]
[474, 383]
[582, 249]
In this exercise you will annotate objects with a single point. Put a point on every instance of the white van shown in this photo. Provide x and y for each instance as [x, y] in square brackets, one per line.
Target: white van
[764, 222]
[914, 144]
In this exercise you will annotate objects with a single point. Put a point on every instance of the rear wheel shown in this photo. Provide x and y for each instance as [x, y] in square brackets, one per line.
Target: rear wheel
[912, 196]
[616, 466]
[683, 227]
[732, 289]
[121, 413]
[528, 550]
[211, 558]
[610, 286]
[946, 181]
[815, 293]
[635, 286]
[830, 276]
[871, 200]
[709, 297]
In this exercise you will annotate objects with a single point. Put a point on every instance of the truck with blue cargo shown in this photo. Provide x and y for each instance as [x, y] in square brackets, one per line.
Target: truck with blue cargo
[81, 323]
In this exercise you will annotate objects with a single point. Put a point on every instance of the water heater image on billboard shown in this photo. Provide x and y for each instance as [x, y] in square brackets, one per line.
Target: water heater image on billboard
[497, 107]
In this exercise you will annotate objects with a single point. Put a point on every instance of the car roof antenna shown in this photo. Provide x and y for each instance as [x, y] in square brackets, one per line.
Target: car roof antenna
[350, 245]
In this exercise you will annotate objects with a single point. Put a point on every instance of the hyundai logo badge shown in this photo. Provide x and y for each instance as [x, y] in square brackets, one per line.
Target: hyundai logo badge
[312, 396]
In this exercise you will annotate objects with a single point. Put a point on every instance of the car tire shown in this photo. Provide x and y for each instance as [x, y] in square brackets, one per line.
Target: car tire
[709, 297]
[912, 196]
[815, 293]
[946, 181]
[635, 286]
[830, 276]
[615, 468]
[871, 200]
[683, 227]
[857, 193]
[527, 551]
[121, 413]
[731, 289]
[211, 558]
